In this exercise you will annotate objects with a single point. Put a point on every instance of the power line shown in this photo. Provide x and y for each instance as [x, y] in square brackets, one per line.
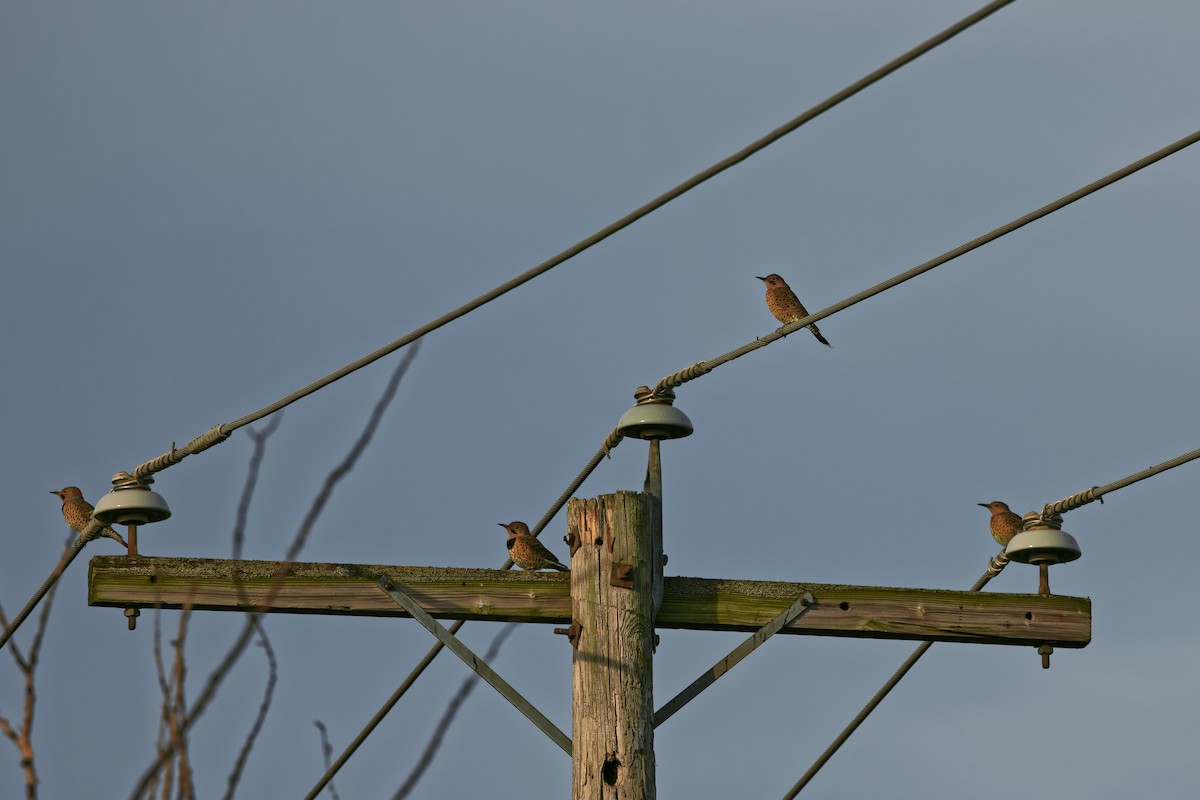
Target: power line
[1096, 492]
[676, 379]
[221, 432]
[90, 532]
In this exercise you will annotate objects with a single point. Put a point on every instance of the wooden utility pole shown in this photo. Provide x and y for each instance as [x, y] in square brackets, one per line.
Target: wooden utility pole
[612, 716]
[611, 598]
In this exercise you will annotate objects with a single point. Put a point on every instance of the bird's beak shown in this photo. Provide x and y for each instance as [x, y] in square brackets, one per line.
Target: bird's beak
[53, 492]
[985, 505]
[761, 278]
[501, 524]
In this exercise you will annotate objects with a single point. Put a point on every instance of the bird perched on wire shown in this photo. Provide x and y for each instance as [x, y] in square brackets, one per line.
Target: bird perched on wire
[527, 552]
[1005, 524]
[783, 303]
[78, 512]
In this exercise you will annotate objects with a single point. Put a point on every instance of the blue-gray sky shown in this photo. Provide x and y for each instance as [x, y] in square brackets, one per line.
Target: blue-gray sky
[205, 206]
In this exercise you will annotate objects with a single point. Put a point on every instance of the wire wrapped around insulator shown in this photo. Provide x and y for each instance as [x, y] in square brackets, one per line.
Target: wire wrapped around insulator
[677, 379]
[614, 439]
[209, 438]
[1071, 503]
[167, 459]
[998, 563]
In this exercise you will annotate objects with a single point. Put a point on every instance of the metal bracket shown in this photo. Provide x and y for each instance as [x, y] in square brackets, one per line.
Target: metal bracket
[622, 575]
[572, 540]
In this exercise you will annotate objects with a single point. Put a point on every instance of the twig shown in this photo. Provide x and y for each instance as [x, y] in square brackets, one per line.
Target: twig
[256, 458]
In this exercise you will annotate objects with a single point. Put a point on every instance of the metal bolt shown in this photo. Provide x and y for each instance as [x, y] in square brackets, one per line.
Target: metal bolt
[572, 632]
[1044, 651]
[1044, 579]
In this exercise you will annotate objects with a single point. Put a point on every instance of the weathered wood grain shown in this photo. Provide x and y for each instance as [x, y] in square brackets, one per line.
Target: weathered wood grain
[696, 603]
[612, 712]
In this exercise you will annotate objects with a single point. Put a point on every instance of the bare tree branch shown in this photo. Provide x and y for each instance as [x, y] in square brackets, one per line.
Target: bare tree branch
[239, 529]
[217, 677]
[179, 712]
[263, 708]
[326, 752]
[435, 741]
[164, 718]
[23, 738]
[256, 458]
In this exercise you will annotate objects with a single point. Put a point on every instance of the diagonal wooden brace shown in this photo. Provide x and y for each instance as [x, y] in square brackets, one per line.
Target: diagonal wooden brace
[792, 612]
[477, 664]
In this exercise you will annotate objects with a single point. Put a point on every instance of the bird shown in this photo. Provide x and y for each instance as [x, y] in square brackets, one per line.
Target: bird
[78, 512]
[527, 552]
[1005, 524]
[783, 303]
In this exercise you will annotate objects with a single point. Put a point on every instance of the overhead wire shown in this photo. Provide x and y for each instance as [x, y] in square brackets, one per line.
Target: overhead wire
[220, 433]
[1078, 499]
[677, 379]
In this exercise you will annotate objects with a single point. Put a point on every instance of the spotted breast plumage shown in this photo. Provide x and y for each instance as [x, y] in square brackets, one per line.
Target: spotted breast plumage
[1004, 524]
[78, 512]
[526, 551]
[785, 306]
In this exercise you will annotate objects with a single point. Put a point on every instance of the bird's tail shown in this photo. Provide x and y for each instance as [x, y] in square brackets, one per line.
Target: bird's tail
[817, 333]
[561, 567]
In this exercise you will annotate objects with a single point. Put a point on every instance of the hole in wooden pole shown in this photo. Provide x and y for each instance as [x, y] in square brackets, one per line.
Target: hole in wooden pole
[610, 769]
